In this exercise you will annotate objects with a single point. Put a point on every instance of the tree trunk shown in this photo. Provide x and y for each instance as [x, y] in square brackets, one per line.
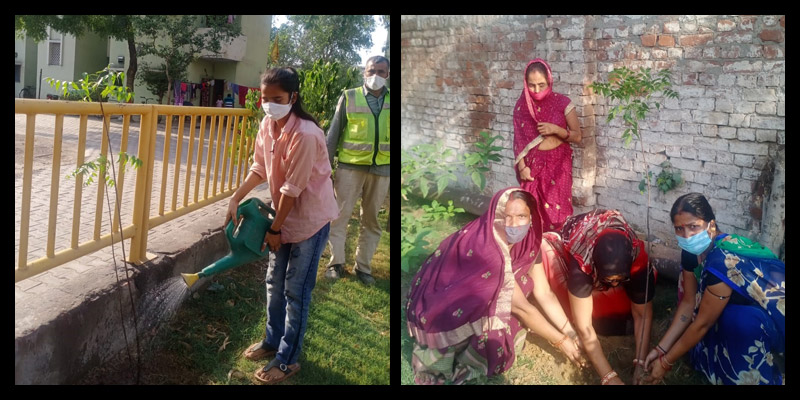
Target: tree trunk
[133, 65]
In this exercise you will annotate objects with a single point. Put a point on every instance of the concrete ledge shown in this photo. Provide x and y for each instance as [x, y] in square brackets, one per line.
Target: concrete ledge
[73, 325]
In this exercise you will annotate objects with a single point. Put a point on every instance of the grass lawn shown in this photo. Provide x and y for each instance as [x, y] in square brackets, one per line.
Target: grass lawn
[346, 341]
[538, 363]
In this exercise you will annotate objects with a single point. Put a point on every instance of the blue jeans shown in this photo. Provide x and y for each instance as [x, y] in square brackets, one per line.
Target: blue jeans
[291, 276]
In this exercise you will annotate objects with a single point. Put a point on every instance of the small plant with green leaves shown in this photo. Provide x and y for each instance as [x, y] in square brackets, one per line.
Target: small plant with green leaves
[633, 92]
[437, 211]
[107, 83]
[413, 244]
[666, 180]
[477, 163]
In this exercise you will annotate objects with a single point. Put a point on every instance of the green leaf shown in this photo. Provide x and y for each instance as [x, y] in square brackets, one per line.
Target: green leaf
[442, 184]
[423, 186]
[628, 140]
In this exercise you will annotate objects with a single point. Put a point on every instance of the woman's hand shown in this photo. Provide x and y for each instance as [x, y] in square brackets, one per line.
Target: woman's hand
[651, 356]
[573, 353]
[615, 381]
[656, 374]
[273, 241]
[639, 374]
[525, 174]
[233, 208]
[546, 128]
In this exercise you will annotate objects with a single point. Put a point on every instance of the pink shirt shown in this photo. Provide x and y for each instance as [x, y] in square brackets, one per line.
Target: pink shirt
[295, 162]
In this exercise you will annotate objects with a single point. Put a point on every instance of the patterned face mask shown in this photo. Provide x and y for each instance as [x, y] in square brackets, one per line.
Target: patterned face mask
[515, 234]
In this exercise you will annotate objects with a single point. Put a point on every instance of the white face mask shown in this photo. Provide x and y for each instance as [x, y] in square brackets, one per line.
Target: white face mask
[374, 82]
[277, 111]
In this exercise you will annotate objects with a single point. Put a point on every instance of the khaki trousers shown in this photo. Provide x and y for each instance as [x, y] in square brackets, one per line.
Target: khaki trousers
[350, 185]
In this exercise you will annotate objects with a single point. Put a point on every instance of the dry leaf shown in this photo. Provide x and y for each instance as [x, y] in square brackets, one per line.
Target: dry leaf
[230, 303]
[224, 345]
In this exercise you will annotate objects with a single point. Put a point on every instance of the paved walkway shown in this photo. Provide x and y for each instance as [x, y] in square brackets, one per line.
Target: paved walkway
[74, 279]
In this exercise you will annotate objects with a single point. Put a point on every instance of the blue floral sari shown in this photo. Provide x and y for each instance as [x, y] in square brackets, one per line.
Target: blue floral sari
[741, 347]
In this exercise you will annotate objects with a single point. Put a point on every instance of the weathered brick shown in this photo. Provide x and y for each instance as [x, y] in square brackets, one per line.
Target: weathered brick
[666, 40]
[739, 120]
[711, 143]
[708, 130]
[783, 21]
[781, 108]
[770, 20]
[673, 151]
[726, 132]
[725, 25]
[724, 157]
[771, 52]
[707, 79]
[746, 134]
[742, 66]
[638, 29]
[675, 53]
[709, 117]
[766, 135]
[711, 52]
[706, 155]
[759, 95]
[692, 129]
[750, 174]
[695, 40]
[731, 171]
[768, 122]
[672, 27]
[648, 40]
[746, 23]
[682, 163]
[726, 79]
[702, 178]
[689, 153]
[734, 37]
[766, 108]
[746, 81]
[758, 149]
[744, 185]
[771, 35]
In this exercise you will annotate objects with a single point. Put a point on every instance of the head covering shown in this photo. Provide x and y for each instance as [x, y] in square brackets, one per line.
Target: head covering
[581, 233]
[532, 104]
[612, 254]
[463, 290]
[528, 113]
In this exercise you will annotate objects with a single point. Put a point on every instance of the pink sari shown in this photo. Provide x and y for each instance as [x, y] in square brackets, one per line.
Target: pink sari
[459, 305]
[550, 169]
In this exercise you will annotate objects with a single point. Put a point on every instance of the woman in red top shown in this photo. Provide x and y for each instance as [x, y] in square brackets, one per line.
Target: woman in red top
[596, 267]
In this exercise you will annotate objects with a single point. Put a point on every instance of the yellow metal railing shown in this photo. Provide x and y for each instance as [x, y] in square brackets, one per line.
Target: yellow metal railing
[219, 142]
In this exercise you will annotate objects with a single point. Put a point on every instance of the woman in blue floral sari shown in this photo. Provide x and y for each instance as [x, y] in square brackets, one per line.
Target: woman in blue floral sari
[734, 325]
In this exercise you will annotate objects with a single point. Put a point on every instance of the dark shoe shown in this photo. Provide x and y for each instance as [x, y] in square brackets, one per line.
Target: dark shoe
[334, 271]
[366, 279]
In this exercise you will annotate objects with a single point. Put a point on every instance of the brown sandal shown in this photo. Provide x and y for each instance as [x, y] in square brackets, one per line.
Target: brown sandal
[287, 372]
[267, 351]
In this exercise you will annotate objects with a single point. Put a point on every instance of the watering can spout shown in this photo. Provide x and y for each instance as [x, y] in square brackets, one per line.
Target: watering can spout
[245, 240]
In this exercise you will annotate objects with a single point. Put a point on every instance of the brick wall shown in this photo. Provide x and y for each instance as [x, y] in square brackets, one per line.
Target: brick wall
[463, 74]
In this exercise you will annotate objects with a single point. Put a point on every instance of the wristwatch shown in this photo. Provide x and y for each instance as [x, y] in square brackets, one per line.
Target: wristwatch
[278, 232]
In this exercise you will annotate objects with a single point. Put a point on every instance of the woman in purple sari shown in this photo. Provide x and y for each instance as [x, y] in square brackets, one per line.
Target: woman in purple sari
[467, 304]
[545, 123]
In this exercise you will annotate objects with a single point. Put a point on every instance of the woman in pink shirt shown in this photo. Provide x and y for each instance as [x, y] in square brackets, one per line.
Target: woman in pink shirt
[291, 156]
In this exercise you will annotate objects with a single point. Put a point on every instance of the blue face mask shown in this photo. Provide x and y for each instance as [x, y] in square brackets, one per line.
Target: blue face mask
[695, 244]
[515, 234]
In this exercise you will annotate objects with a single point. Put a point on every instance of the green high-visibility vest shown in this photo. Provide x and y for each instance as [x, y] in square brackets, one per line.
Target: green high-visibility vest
[366, 137]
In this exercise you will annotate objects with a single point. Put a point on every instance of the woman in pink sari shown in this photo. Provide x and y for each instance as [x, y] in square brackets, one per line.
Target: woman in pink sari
[467, 308]
[544, 123]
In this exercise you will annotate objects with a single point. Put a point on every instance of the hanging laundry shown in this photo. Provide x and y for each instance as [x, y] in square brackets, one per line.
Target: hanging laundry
[243, 94]
[183, 86]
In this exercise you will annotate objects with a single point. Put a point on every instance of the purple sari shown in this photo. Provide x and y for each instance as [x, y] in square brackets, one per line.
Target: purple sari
[459, 304]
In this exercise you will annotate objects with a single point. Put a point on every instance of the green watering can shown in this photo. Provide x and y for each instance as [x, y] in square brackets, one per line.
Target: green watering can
[245, 239]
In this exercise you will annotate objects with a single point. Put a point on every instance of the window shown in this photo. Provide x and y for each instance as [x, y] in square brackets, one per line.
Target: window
[17, 71]
[54, 48]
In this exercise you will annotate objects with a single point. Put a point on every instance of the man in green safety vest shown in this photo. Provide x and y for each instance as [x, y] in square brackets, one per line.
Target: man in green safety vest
[359, 135]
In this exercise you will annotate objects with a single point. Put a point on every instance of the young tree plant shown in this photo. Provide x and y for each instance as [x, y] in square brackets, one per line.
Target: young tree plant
[633, 93]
